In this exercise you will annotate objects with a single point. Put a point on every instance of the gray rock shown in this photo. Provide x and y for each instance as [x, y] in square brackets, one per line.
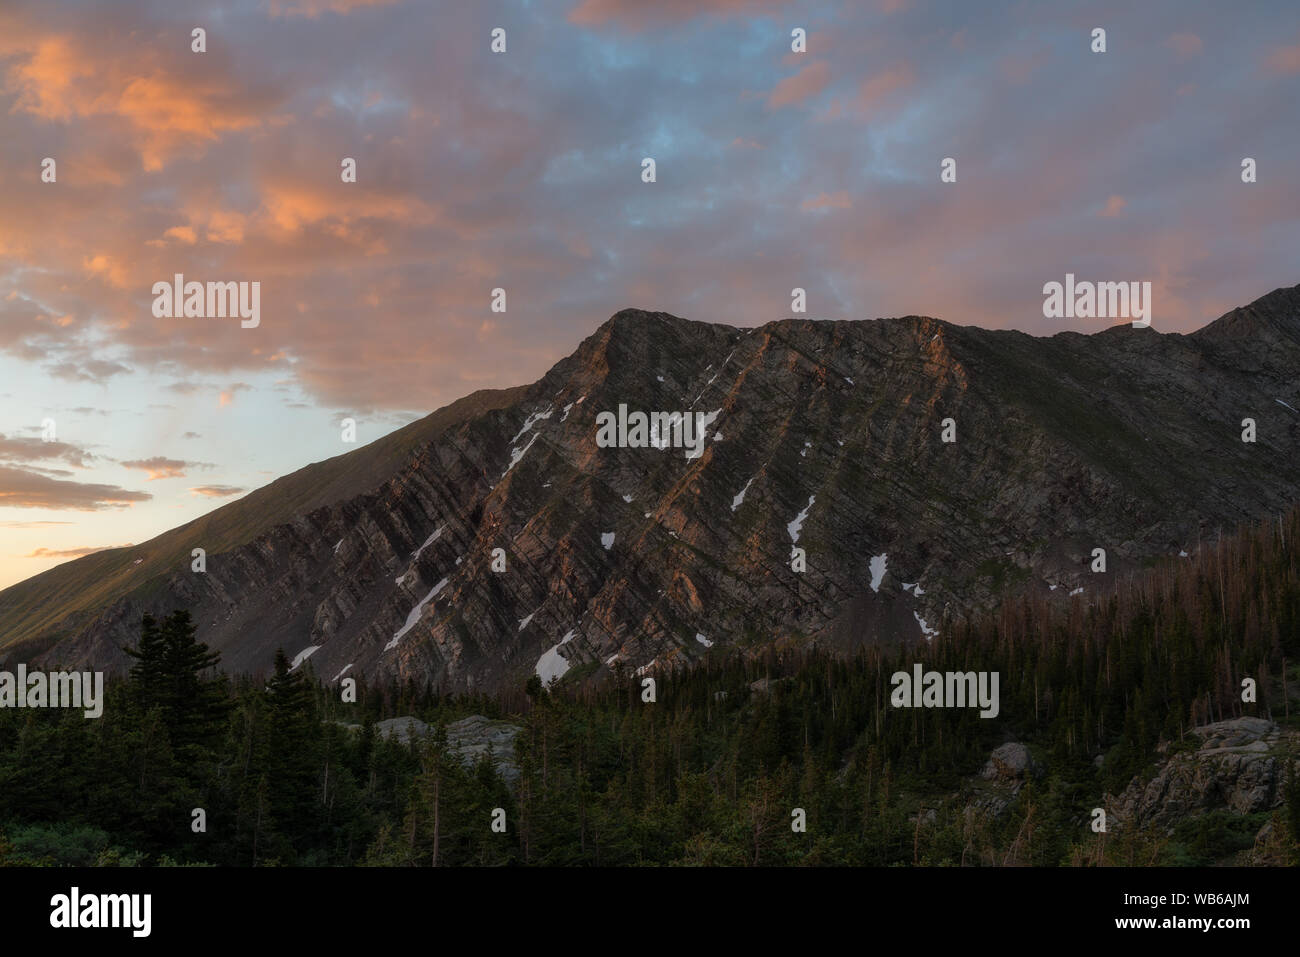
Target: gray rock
[1010, 761]
[1235, 768]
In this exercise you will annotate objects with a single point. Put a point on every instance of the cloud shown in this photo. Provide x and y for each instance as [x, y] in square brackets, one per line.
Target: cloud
[809, 81]
[216, 491]
[314, 8]
[98, 371]
[640, 14]
[374, 293]
[227, 396]
[22, 488]
[184, 234]
[170, 99]
[33, 524]
[160, 467]
[27, 450]
[1185, 44]
[73, 552]
[837, 200]
[1284, 60]
[877, 89]
[1114, 207]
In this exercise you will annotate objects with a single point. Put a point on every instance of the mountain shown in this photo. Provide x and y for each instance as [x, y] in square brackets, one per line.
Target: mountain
[828, 435]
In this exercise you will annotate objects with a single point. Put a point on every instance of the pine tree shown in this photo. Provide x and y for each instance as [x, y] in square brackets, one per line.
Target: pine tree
[196, 706]
[146, 674]
[293, 788]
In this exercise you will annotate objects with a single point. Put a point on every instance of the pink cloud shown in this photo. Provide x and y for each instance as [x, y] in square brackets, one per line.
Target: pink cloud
[809, 81]
[1114, 206]
[836, 200]
[312, 9]
[877, 89]
[1284, 60]
[1185, 44]
[639, 14]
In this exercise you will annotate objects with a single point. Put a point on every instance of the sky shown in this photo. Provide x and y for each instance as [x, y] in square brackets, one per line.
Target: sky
[523, 170]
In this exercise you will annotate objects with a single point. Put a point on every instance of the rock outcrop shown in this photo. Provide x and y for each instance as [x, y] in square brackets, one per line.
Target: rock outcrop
[1238, 765]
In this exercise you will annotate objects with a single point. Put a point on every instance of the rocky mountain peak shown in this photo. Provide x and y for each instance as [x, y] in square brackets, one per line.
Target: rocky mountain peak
[849, 482]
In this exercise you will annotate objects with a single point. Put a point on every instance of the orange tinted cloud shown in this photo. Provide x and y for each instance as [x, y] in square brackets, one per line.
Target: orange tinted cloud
[107, 268]
[168, 105]
[809, 81]
[291, 206]
[1114, 206]
[160, 467]
[215, 491]
[183, 233]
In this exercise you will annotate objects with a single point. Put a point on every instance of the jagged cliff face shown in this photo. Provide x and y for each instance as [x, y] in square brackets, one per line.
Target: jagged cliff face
[824, 435]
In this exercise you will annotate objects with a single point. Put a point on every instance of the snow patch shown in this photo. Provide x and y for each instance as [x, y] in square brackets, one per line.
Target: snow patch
[523, 622]
[1077, 591]
[566, 411]
[703, 640]
[517, 454]
[607, 540]
[908, 586]
[702, 431]
[437, 533]
[415, 614]
[797, 525]
[552, 665]
[804, 452]
[531, 421]
[740, 496]
[1288, 405]
[878, 564]
[926, 630]
[346, 669]
[627, 498]
[303, 655]
[715, 376]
